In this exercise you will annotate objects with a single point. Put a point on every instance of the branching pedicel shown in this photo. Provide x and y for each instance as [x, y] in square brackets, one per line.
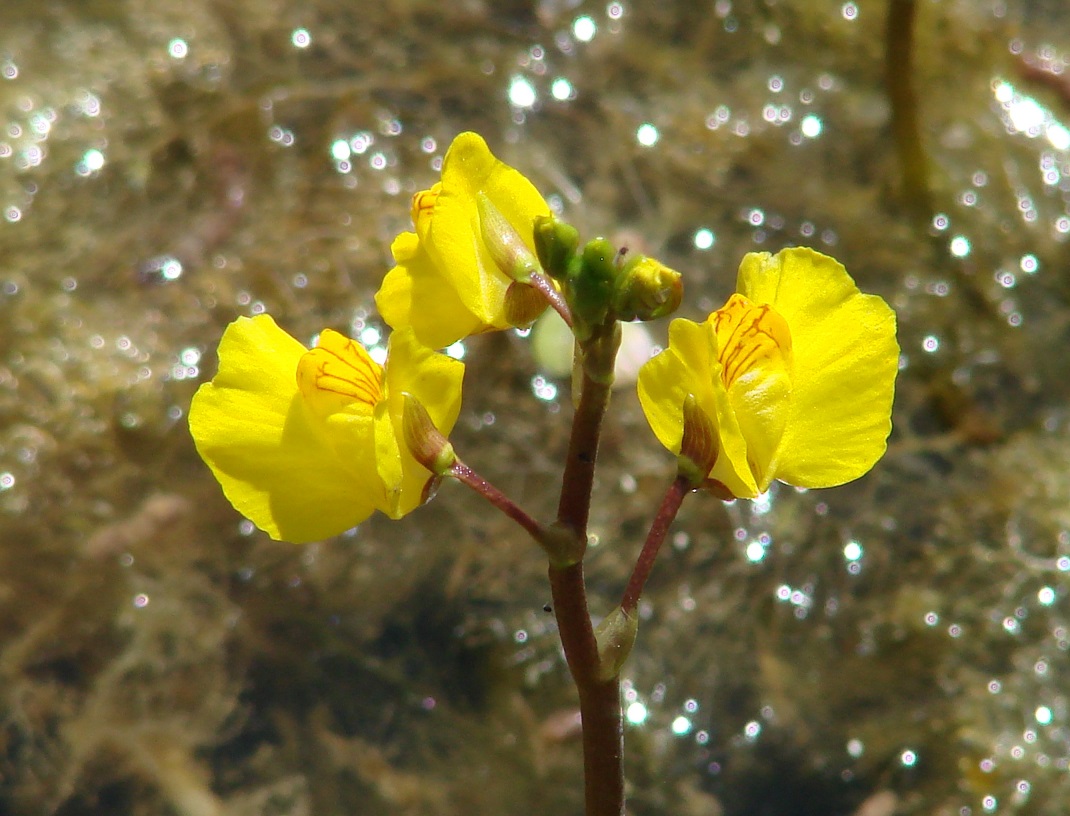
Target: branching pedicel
[792, 380]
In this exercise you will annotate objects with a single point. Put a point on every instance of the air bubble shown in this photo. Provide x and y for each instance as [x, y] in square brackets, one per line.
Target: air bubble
[178, 48]
[647, 135]
[561, 89]
[584, 28]
[521, 92]
[704, 239]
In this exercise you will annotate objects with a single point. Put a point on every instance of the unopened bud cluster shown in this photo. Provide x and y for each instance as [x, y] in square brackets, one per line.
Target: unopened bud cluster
[600, 283]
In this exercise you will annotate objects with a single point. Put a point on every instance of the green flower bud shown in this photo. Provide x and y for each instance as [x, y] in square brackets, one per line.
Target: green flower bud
[555, 244]
[600, 261]
[646, 289]
[589, 286]
[511, 255]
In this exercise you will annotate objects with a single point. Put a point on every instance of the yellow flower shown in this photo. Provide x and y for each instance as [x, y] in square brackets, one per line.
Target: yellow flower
[308, 443]
[794, 374]
[447, 283]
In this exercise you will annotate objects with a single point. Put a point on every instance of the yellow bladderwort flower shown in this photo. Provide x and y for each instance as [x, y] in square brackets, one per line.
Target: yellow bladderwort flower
[794, 376]
[461, 272]
[307, 443]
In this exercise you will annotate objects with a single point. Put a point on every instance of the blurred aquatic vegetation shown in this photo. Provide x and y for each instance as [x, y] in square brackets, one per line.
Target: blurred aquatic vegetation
[166, 167]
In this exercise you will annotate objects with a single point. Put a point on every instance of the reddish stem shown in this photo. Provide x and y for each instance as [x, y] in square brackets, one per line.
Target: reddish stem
[553, 296]
[574, 506]
[464, 474]
[603, 749]
[670, 505]
[600, 711]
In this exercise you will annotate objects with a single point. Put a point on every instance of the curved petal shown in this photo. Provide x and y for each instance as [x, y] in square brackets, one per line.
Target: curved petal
[415, 293]
[689, 367]
[845, 361]
[755, 349]
[402, 477]
[842, 407]
[455, 236]
[435, 380]
[339, 375]
[269, 454]
[663, 388]
[798, 281]
[474, 169]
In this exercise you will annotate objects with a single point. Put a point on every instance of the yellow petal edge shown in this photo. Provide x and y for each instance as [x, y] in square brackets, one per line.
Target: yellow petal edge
[796, 373]
[305, 442]
[445, 283]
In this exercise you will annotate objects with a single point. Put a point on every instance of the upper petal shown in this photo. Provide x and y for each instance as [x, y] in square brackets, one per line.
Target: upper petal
[475, 169]
[845, 361]
[455, 238]
[269, 454]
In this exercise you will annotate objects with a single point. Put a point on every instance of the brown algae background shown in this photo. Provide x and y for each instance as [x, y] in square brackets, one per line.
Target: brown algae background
[897, 646]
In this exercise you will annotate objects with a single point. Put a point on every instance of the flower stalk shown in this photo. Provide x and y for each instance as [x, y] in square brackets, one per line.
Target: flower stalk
[468, 477]
[554, 297]
[600, 707]
[598, 356]
[670, 506]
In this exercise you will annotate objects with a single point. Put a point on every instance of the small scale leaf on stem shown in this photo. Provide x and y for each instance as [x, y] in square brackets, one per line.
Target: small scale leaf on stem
[615, 636]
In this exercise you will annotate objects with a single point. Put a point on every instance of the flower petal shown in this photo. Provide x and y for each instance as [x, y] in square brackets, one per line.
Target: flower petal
[416, 293]
[435, 380]
[845, 362]
[270, 455]
[339, 375]
[755, 350]
[689, 366]
[455, 238]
